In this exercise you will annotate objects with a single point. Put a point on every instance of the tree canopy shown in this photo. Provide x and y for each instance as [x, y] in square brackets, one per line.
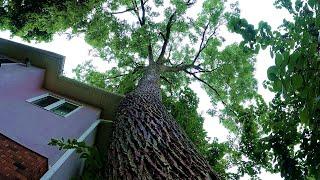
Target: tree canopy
[282, 136]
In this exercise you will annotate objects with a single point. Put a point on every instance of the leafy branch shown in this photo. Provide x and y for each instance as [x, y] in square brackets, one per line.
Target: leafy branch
[212, 88]
[94, 162]
[166, 38]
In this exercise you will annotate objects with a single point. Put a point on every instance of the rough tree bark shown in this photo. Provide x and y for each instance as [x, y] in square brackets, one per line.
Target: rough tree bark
[147, 142]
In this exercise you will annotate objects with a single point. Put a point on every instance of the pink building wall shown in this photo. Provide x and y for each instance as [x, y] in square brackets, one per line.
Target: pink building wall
[30, 125]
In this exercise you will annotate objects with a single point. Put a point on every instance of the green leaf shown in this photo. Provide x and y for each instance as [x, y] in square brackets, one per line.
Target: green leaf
[297, 81]
[277, 86]
[279, 60]
[286, 58]
[305, 92]
[272, 73]
[292, 61]
[304, 116]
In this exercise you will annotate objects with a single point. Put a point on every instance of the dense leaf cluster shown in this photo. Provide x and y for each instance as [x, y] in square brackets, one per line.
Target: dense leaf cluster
[290, 137]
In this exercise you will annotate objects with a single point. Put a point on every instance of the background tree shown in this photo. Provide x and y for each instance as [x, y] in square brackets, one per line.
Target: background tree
[159, 48]
[290, 135]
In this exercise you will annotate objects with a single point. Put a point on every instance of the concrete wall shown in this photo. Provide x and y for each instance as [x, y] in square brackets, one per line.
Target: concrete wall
[30, 125]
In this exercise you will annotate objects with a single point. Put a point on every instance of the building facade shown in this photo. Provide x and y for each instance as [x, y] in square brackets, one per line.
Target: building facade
[37, 103]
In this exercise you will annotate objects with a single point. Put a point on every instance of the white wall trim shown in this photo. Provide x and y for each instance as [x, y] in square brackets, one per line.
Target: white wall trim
[56, 104]
[52, 170]
[37, 98]
[77, 109]
[89, 130]
[57, 165]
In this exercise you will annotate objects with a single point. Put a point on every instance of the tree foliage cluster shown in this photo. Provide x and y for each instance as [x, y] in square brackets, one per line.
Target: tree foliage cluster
[287, 138]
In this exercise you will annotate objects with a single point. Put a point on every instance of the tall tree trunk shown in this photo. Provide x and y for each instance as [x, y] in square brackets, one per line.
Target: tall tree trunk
[147, 142]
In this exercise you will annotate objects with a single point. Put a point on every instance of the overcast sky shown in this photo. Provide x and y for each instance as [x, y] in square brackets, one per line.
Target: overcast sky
[77, 51]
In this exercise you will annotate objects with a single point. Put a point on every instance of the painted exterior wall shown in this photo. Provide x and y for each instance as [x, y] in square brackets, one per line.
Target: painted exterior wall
[30, 125]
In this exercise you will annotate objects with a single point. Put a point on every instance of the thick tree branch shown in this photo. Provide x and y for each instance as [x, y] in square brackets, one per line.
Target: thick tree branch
[150, 54]
[136, 11]
[204, 42]
[166, 38]
[202, 46]
[143, 18]
[212, 88]
[142, 22]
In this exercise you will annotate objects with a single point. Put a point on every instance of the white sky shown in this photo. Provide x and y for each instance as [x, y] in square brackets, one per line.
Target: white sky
[77, 51]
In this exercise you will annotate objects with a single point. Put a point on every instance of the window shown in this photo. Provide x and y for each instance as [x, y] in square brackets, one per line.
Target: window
[46, 101]
[57, 105]
[64, 109]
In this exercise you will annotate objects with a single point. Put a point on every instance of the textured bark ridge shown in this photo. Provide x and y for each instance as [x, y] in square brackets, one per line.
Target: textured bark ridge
[148, 144]
[149, 84]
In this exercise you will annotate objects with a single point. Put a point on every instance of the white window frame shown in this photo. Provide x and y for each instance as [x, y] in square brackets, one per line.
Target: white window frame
[54, 105]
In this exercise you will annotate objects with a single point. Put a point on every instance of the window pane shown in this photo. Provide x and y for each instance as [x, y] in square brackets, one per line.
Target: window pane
[46, 101]
[64, 109]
